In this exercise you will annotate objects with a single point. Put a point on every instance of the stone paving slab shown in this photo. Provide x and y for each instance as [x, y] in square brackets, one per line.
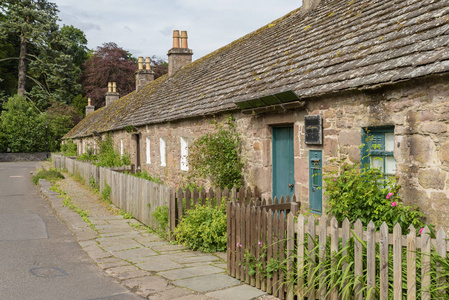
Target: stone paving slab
[207, 283]
[241, 292]
[134, 253]
[173, 293]
[158, 265]
[190, 272]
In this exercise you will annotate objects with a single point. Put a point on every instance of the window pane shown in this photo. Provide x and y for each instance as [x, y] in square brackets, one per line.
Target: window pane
[389, 141]
[162, 151]
[377, 162]
[184, 154]
[148, 151]
[390, 165]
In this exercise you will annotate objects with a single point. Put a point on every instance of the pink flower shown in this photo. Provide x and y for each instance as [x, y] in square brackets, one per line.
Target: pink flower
[420, 231]
[335, 179]
[394, 204]
[389, 195]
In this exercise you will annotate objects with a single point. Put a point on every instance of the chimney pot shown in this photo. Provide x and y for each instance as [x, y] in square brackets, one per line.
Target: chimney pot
[140, 62]
[175, 38]
[114, 87]
[147, 63]
[89, 107]
[184, 40]
[109, 87]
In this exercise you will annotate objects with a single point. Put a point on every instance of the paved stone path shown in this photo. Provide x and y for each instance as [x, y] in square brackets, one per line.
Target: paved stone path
[145, 263]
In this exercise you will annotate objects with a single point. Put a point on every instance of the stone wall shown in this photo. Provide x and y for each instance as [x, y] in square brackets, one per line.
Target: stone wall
[10, 157]
[418, 110]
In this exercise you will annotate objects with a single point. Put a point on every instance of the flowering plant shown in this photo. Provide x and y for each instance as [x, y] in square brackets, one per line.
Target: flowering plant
[364, 193]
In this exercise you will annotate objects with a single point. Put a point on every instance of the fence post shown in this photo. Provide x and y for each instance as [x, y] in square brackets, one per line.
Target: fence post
[229, 228]
[290, 254]
[334, 250]
[425, 264]
[358, 254]
[441, 249]
[411, 263]
[301, 231]
[179, 203]
[172, 213]
[238, 230]
[322, 255]
[311, 265]
[370, 259]
[383, 251]
[270, 247]
[253, 238]
[397, 262]
[259, 241]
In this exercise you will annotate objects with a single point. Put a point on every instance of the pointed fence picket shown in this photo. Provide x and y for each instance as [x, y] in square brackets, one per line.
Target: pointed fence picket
[285, 237]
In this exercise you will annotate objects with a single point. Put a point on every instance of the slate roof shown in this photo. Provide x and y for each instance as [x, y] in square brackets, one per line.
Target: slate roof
[341, 45]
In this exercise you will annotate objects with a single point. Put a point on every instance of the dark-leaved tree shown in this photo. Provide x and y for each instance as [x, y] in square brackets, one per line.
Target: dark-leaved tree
[109, 63]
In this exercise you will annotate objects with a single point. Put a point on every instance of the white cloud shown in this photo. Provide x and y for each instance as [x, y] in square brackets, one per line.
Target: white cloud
[144, 27]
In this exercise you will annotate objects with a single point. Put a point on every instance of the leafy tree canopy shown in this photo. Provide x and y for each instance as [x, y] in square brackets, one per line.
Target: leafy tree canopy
[49, 58]
[109, 63]
[22, 126]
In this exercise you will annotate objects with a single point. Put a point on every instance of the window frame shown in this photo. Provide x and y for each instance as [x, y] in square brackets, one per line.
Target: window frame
[367, 152]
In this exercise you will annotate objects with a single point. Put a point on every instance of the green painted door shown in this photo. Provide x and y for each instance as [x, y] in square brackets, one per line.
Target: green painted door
[315, 182]
[283, 162]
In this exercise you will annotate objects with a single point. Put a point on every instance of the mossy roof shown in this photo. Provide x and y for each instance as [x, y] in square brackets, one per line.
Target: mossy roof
[341, 45]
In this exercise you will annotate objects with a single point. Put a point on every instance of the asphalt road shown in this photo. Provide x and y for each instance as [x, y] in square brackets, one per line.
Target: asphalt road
[39, 257]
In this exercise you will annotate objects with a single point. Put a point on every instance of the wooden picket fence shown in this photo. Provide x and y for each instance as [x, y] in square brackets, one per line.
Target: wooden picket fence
[133, 195]
[269, 236]
[183, 200]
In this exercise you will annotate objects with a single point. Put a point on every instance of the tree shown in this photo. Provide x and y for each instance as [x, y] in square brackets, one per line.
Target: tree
[50, 57]
[60, 119]
[159, 66]
[109, 63]
[22, 126]
[31, 21]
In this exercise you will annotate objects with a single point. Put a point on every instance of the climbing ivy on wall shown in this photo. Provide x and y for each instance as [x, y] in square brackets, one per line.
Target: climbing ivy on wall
[217, 156]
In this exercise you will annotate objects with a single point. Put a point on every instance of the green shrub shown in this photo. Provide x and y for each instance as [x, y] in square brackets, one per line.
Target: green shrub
[51, 175]
[69, 148]
[107, 155]
[145, 175]
[364, 194]
[203, 228]
[126, 159]
[126, 215]
[216, 156]
[106, 193]
[161, 216]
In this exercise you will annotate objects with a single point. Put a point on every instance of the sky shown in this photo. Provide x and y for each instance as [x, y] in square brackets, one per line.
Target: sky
[145, 27]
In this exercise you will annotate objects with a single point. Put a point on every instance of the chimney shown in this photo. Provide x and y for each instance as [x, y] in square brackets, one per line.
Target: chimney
[143, 76]
[89, 108]
[309, 5]
[112, 94]
[179, 57]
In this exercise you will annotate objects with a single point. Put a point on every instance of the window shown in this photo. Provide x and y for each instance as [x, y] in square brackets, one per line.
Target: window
[162, 149]
[121, 148]
[184, 154]
[378, 151]
[148, 151]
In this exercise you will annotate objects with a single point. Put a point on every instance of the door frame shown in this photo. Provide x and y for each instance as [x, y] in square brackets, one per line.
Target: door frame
[273, 181]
